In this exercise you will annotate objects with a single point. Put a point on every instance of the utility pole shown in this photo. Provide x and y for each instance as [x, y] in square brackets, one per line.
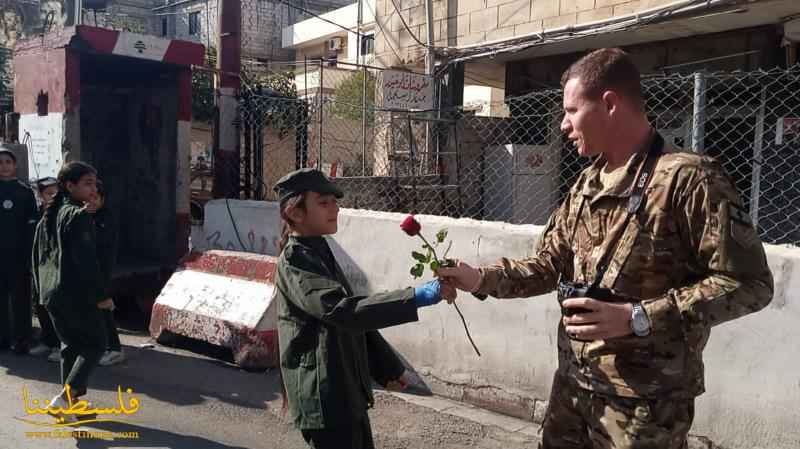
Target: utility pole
[430, 61]
[78, 12]
[358, 30]
[430, 65]
[226, 137]
[364, 75]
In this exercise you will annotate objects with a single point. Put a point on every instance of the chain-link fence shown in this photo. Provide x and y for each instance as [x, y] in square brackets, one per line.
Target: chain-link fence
[747, 121]
[518, 167]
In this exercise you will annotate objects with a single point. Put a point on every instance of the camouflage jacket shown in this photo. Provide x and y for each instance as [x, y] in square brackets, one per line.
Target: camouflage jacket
[691, 255]
[329, 347]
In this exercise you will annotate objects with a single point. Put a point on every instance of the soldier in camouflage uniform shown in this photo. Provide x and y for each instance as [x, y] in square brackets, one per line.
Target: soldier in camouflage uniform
[688, 260]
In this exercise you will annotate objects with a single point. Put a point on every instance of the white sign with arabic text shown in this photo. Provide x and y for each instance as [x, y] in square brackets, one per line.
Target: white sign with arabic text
[406, 91]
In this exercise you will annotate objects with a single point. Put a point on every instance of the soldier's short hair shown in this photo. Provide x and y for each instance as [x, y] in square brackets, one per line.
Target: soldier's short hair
[607, 69]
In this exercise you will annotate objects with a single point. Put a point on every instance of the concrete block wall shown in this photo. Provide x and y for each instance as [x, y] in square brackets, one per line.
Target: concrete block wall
[751, 363]
[178, 23]
[262, 23]
[466, 22]
[130, 15]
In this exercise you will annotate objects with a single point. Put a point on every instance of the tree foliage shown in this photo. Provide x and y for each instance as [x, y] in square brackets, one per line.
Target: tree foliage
[348, 102]
[203, 89]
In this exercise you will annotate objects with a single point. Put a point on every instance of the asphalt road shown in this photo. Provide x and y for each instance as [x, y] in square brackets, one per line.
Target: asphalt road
[191, 401]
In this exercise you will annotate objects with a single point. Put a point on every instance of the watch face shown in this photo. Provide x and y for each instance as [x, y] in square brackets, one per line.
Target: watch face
[639, 324]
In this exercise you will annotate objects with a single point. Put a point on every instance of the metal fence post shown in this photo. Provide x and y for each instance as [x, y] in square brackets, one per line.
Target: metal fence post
[699, 113]
[321, 107]
[364, 124]
[755, 191]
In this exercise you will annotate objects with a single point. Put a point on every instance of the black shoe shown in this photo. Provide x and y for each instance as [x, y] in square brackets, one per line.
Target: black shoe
[20, 348]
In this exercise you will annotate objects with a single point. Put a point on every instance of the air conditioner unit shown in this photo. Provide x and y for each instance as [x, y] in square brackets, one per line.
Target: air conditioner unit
[335, 44]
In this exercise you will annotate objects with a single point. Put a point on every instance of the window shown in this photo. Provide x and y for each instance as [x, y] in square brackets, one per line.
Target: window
[194, 23]
[367, 46]
[164, 27]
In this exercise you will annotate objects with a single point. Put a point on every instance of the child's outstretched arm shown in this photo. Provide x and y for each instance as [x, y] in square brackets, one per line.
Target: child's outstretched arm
[309, 285]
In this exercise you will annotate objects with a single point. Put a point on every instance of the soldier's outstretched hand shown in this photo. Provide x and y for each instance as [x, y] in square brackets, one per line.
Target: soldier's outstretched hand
[449, 292]
[462, 276]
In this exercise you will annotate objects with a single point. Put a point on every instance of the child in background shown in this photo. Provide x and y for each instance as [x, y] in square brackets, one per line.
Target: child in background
[18, 217]
[106, 257]
[47, 188]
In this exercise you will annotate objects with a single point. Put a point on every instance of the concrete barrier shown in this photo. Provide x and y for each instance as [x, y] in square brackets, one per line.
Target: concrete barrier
[752, 364]
[223, 298]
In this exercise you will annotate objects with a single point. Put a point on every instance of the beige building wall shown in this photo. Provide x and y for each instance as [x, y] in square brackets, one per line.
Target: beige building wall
[465, 22]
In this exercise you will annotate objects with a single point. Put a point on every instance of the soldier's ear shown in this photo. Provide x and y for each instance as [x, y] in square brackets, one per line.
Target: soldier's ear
[611, 101]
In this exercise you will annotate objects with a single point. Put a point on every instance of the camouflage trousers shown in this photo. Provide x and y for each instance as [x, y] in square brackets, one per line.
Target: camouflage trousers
[581, 419]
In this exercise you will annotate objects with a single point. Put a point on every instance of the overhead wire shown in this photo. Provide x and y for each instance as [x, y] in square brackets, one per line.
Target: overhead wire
[379, 25]
[413, 36]
[318, 16]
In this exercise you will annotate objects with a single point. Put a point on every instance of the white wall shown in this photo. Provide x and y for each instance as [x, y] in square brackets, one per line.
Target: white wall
[752, 364]
[315, 30]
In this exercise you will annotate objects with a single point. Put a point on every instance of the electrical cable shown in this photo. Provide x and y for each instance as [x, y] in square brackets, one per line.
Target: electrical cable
[312, 14]
[378, 23]
[235, 228]
[413, 36]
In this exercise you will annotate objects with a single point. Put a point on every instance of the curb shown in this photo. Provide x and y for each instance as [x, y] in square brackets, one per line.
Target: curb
[470, 413]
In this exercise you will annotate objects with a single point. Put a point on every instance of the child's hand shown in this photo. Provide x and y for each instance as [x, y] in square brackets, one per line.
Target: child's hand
[106, 304]
[428, 294]
[93, 205]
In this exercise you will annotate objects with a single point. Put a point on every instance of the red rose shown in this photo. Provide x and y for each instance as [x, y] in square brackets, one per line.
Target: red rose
[410, 226]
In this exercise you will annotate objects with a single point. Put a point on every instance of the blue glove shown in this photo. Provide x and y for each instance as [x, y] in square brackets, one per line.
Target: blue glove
[428, 294]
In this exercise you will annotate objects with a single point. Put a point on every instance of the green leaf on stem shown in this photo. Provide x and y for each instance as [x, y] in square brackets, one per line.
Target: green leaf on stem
[419, 257]
[441, 235]
[435, 265]
[417, 270]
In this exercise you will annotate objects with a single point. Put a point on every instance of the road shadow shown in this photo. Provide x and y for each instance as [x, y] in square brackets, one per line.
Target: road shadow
[147, 437]
[170, 377]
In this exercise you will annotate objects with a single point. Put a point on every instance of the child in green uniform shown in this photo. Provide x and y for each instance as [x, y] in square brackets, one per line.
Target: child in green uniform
[68, 280]
[18, 217]
[106, 229]
[49, 344]
[327, 333]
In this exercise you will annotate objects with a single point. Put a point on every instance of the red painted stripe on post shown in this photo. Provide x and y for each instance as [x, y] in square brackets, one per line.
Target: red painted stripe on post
[185, 53]
[182, 233]
[72, 89]
[100, 39]
[247, 266]
[185, 95]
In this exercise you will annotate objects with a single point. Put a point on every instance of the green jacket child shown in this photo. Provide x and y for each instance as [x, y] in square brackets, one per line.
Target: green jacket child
[69, 282]
[327, 333]
[18, 216]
